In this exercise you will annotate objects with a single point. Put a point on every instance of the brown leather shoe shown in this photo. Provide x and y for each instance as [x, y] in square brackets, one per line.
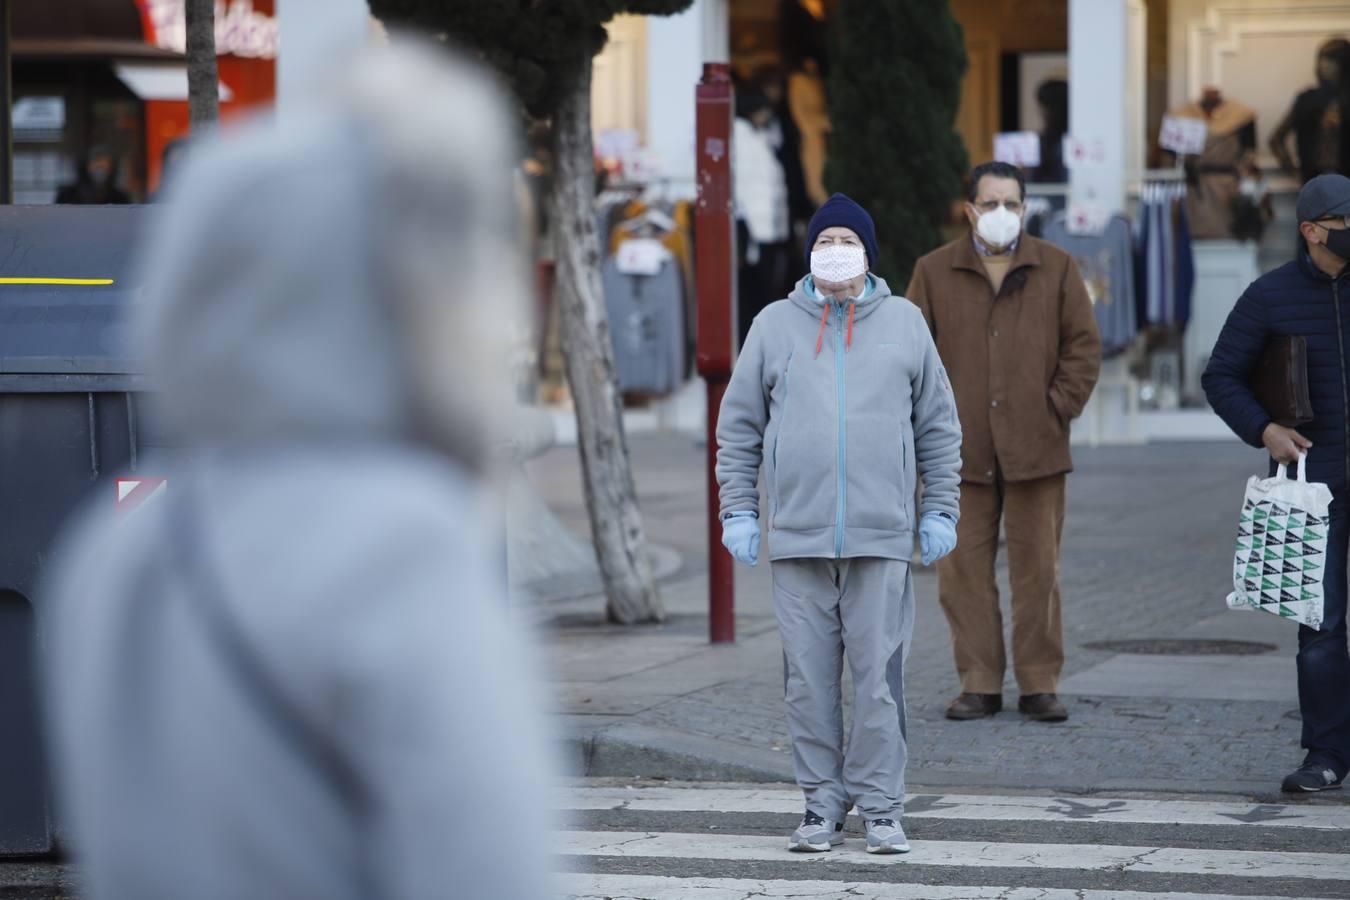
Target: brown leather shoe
[975, 706]
[1042, 708]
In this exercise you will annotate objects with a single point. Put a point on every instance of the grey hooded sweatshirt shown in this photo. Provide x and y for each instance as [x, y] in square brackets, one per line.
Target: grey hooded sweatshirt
[844, 420]
[292, 674]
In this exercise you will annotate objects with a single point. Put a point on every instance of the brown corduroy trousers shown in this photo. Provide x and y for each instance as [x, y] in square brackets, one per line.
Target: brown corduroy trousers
[1032, 514]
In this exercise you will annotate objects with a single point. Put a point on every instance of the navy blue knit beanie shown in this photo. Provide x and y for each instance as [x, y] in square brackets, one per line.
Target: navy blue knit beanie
[839, 211]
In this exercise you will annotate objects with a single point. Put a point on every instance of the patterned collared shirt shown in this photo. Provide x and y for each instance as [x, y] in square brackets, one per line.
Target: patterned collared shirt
[981, 249]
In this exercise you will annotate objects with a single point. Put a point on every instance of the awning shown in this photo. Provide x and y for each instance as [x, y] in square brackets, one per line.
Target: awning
[135, 29]
[160, 82]
[75, 20]
[80, 29]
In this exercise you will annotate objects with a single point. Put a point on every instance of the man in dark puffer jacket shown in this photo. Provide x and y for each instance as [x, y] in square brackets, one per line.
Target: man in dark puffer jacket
[1310, 297]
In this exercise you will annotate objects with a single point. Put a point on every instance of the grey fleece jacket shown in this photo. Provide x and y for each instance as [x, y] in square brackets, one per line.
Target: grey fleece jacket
[293, 675]
[843, 435]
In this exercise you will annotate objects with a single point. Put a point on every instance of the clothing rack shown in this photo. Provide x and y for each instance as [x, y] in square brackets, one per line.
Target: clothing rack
[659, 189]
[1165, 263]
[650, 303]
[1162, 191]
[1160, 184]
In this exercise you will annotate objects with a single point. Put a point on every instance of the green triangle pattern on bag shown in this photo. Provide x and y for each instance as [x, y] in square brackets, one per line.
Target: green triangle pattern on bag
[1279, 549]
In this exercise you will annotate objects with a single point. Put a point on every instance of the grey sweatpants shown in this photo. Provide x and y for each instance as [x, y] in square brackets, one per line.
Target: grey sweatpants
[825, 608]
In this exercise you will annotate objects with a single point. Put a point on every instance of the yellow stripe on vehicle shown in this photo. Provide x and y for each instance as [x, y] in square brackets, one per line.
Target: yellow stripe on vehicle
[70, 281]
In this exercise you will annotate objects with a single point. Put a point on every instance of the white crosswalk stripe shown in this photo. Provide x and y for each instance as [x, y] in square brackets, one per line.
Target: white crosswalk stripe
[967, 806]
[967, 854]
[645, 842]
[658, 887]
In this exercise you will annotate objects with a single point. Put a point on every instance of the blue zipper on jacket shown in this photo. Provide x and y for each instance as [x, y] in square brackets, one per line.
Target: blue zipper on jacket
[773, 500]
[839, 382]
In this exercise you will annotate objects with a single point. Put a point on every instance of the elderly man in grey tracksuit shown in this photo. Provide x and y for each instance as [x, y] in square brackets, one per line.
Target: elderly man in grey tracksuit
[840, 396]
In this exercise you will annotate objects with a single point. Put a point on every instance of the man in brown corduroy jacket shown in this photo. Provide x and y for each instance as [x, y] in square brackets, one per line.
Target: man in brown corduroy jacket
[1015, 329]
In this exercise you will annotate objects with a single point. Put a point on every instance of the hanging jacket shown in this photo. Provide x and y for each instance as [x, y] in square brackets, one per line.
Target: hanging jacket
[1295, 299]
[1106, 262]
[845, 406]
[1310, 127]
[760, 185]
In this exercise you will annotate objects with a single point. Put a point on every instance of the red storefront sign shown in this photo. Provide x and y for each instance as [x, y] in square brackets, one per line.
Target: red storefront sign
[246, 44]
[243, 28]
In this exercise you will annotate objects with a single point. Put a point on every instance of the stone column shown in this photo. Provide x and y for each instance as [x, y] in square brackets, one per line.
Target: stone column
[677, 48]
[1097, 100]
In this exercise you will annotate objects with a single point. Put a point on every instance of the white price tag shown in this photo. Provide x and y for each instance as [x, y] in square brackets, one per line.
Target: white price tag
[1019, 148]
[641, 256]
[1184, 135]
[1087, 218]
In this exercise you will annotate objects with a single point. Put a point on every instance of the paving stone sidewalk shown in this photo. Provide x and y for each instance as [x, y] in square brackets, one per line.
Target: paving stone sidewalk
[1147, 555]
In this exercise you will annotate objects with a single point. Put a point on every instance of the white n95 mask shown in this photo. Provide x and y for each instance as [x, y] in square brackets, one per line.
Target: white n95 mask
[999, 227]
[838, 263]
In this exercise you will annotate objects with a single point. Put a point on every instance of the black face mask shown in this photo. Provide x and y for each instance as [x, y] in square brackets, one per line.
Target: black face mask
[1338, 242]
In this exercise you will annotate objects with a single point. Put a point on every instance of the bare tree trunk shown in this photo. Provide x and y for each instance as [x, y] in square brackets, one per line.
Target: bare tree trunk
[611, 499]
[203, 81]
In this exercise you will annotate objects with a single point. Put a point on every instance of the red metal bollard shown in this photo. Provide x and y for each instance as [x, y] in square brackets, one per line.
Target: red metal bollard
[715, 268]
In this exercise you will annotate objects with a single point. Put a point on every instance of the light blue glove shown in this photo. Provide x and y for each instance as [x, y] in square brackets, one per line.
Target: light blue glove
[740, 535]
[937, 537]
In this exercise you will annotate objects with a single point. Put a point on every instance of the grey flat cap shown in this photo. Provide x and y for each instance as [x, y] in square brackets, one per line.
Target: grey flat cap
[1324, 197]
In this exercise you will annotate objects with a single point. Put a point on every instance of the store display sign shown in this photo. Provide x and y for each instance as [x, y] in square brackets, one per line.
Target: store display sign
[39, 118]
[643, 165]
[1019, 148]
[1184, 135]
[616, 144]
[240, 30]
[1079, 153]
[1087, 218]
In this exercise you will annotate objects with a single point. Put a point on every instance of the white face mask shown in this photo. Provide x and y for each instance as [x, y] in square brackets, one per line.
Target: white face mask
[999, 227]
[838, 263]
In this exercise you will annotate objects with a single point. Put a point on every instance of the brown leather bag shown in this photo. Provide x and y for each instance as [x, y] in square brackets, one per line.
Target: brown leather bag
[1280, 381]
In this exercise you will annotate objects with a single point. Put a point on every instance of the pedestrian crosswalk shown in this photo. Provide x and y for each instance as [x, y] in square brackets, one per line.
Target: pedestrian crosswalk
[657, 842]
[655, 887]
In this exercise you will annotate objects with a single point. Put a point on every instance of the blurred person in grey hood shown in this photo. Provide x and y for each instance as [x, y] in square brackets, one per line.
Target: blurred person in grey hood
[290, 675]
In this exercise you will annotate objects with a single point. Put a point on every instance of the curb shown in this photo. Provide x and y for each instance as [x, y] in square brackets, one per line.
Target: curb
[629, 750]
[642, 751]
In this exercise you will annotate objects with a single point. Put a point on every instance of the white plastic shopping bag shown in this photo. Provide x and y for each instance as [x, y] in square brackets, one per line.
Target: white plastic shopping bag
[1282, 547]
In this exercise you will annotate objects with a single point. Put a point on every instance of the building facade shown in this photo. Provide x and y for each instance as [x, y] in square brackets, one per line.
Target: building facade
[110, 74]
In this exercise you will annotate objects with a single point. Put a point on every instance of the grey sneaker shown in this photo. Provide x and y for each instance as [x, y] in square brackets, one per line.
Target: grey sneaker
[1311, 777]
[816, 835]
[886, 836]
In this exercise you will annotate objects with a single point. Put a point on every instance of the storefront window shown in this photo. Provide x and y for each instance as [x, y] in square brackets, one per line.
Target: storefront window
[40, 162]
